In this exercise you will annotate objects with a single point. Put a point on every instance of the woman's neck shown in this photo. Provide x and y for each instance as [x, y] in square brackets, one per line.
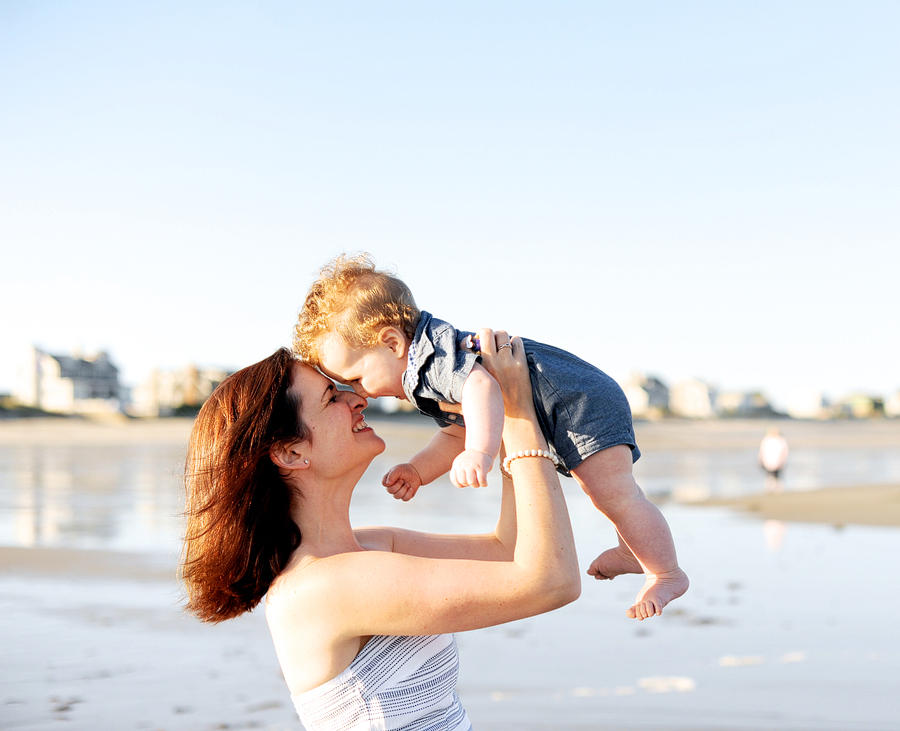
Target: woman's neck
[322, 513]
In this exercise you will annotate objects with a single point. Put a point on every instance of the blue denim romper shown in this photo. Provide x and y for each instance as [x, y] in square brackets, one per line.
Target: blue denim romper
[581, 410]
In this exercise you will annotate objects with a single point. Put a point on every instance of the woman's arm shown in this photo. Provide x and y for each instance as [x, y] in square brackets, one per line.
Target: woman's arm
[468, 454]
[527, 567]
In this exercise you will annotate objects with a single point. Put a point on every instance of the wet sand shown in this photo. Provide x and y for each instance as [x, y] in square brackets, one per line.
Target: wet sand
[837, 506]
[93, 431]
[667, 434]
[765, 639]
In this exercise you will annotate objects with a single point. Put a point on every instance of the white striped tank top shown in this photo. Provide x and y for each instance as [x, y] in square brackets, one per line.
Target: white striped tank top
[393, 684]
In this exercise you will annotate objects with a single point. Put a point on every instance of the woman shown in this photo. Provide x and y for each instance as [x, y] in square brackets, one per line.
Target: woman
[362, 619]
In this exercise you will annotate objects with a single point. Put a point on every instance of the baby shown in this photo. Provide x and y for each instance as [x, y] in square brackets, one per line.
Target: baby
[361, 327]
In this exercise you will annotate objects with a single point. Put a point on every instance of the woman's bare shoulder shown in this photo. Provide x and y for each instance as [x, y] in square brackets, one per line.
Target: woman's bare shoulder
[306, 597]
[309, 582]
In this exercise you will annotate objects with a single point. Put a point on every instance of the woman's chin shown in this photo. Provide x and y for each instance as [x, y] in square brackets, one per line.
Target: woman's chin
[369, 435]
[381, 444]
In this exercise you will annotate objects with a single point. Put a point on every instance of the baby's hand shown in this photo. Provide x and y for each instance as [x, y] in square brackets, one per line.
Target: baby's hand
[470, 468]
[402, 481]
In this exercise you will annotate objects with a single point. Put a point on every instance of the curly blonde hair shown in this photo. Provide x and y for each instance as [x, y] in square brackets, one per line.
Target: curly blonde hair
[355, 300]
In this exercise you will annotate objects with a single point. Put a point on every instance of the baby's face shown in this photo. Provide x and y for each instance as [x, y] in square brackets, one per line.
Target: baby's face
[370, 372]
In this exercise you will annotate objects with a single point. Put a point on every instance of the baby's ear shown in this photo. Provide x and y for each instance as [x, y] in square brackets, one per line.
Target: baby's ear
[288, 456]
[394, 338]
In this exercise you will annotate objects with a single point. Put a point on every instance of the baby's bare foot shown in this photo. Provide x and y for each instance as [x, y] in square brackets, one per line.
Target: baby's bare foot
[613, 563]
[659, 590]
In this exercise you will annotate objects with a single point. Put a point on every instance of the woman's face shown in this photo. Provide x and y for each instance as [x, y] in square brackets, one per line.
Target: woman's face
[340, 440]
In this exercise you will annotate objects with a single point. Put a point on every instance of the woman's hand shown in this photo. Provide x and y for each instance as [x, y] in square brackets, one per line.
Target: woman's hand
[504, 358]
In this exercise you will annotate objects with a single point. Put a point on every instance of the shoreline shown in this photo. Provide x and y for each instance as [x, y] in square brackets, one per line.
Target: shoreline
[869, 505]
[669, 434]
[89, 563]
[858, 504]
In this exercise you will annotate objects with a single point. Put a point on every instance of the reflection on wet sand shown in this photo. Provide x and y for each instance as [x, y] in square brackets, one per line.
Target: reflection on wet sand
[82, 484]
[773, 532]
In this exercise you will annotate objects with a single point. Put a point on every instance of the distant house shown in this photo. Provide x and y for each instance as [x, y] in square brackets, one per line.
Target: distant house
[692, 399]
[858, 406]
[388, 405]
[168, 392]
[647, 396]
[69, 384]
[892, 405]
[747, 404]
[808, 404]
[638, 399]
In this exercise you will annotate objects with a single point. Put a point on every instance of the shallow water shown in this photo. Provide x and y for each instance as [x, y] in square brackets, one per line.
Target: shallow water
[697, 474]
[118, 497]
[128, 496]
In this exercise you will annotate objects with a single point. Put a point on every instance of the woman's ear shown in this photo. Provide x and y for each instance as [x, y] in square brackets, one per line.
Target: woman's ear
[289, 456]
[394, 339]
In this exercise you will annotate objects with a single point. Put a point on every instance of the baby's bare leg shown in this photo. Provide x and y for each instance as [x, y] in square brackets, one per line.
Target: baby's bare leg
[615, 561]
[645, 541]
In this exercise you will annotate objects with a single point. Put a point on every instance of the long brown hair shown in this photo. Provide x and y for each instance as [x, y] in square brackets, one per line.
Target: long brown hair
[239, 531]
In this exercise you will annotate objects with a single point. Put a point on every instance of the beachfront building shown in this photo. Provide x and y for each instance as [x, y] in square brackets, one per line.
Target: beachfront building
[892, 405]
[169, 392]
[69, 384]
[638, 399]
[389, 405]
[744, 404]
[808, 404]
[858, 406]
[692, 399]
[647, 396]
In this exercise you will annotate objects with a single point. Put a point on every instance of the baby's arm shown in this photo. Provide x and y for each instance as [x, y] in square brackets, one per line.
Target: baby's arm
[467, 453]
[482, 407]
[403, 480]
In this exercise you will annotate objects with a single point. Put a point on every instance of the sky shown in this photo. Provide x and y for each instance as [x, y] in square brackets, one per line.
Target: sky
[693, 189]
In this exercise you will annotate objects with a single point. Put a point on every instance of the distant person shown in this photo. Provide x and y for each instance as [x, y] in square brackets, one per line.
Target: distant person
[773, 457]
[361, 326]
[361, 618]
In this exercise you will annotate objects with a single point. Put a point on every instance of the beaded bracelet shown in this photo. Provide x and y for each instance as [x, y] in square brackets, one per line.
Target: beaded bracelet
[504, 468]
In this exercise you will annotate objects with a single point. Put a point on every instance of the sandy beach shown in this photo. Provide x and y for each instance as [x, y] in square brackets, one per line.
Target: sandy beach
[788, 623]
[837, 506]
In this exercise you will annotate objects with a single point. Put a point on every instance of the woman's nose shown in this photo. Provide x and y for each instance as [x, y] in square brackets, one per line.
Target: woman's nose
[354, 400]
